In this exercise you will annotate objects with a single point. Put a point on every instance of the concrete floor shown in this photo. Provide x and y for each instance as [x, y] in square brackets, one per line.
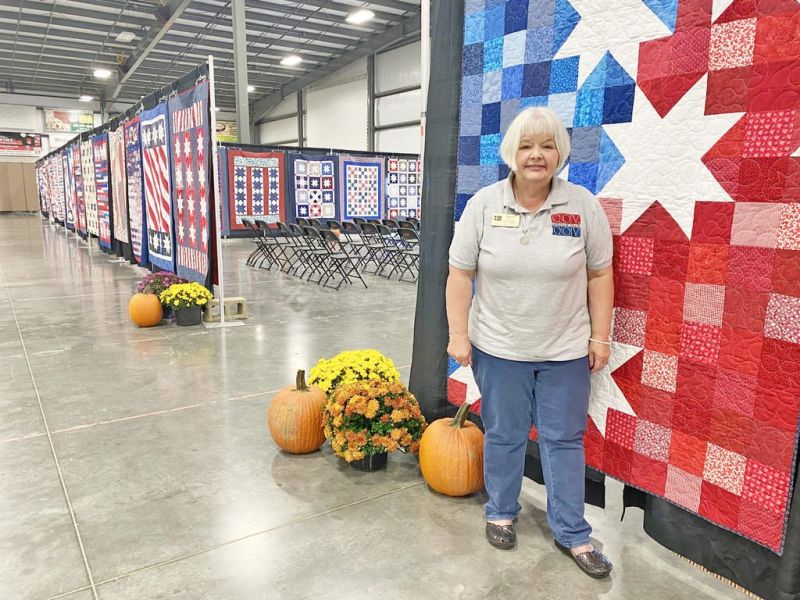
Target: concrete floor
[135, 463]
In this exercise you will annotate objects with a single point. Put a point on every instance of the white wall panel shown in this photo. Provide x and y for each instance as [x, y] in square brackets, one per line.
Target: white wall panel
[278, 131]
[398, 68]
[336, 109]
[405, 140]
[397, 108]
[20, 118]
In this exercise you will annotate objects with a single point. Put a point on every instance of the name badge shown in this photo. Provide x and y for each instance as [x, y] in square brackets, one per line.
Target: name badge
[505, 220]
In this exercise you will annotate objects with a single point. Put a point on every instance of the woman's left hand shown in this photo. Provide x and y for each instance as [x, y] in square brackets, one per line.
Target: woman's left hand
[598, 356]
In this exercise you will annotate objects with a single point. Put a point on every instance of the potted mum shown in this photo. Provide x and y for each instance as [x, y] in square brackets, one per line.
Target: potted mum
[156, 283]
[187, 300]
[365, 420]
[350, 366]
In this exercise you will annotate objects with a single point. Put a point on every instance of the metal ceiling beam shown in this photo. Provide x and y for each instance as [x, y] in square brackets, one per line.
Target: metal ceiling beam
[220, 40]
[407, 28]
[345, 9]
[35, 41]
[312, 34]
[73, 11]
[167, 15]
[70, 25]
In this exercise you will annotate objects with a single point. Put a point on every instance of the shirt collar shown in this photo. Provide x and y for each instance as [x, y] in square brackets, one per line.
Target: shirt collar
[558, 195]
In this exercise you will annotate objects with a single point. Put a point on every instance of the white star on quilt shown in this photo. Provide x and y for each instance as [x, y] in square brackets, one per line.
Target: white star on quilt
[204, 235]
[201, 173]
[191, 208]
[605, 391]
[180, 232]
[200, 136]
[161, 133]
[187, 147]
[665, 155]
[177, 149]
[464, 375]
[203, 206]
[601, 28]
[192, 236]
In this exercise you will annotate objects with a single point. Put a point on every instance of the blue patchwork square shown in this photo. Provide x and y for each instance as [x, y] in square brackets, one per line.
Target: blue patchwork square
[468, 179]
[536, 79]
[490, 144]
[564, 106]
[514, 48]
[533, 101]
[564, 75]
[512, 82]
[494, 22]
[589, 107]
[492, 55]
[490, 119]
[503, 171]
[618, 104]
[473, 59]
[471, 90]
[585, 144]
[492, 87]
[473, 28]
[542, 13]
[489, 174]
[393, 202]
[516, 15]
[469, 150]
[539, 44]
[461, 203]
[472, 6]
[584, 174]
[471, 119]
[508, 110]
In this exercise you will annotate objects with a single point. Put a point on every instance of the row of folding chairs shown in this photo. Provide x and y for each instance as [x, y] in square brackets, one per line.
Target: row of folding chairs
[393, 224]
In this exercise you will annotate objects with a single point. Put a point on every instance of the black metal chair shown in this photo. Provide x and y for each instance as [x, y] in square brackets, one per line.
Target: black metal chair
[302, 221]
[338, 260]
[390, 223]
[315, 223]
[409, 254]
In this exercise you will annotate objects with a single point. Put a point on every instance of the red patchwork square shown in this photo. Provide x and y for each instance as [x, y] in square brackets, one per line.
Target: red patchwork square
[635, 255]
[789, 228]
[786, 272]
[654, 405]
[683, 488]
[697, 381]
[652, 440]
[769, 134]
[740, 350]
[776, 406]
[629, 326]
[735, 391]
[703, 303]
[691, 417]
[750, 268]
[690, 50]
[745, 309]
[649, 474]
[783, 318]
[719, 505]
[712, 222]
[780, 365]
[621, 429]
[660, 371]
[727, 90]
[666, 298]
[617, 461]
[776, 35]
[732, 44]
[631, 291]
[765, 487]
[730, 430]
[756, 224]
[772, 446]
[763, 526]
[707, 263]
[613, 209]
[687, 452]
[769, 87]
[769, 180]
[663, 334]
[671, 259]
[700, 343]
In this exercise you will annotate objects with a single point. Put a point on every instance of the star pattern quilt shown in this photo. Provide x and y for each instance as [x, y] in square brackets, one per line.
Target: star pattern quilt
[404, 187]
[362, 187]
[313, 186]
[158, 187]
[89, 187]
[137, 209]
[685, 122]
[69, 185]
[101, 178]
[256, 189]
[80, 216]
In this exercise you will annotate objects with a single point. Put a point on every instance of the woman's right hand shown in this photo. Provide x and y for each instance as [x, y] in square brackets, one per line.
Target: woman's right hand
[460, 349]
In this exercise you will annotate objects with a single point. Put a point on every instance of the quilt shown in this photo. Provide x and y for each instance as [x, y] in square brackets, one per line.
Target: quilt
[686, 125]
[102, 191]
[119, 189]
[158, 187]
[57, 186]
[362, 183]
[89, 187]
[404, 187]
[69, 189]
[312, 186]
[137, 210]
[255, 186]
[80, 208]
[191, 164]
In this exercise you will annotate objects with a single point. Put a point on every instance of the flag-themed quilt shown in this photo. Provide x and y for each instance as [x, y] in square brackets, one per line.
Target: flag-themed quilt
[255, 186]
[89, 187]
[137, 209]
[404, 187]
[69, 185]
[191, 163]
[362, 187]
[44, 204]
[77, 173]
[158, 186]
[119, 188]
[102, 191]
[57, 178]
[313, 186]
[684, 118]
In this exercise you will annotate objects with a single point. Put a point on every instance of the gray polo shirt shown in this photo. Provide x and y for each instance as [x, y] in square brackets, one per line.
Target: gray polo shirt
[530, 302]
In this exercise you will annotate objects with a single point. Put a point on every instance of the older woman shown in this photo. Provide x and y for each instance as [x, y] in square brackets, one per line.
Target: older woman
[539, 249]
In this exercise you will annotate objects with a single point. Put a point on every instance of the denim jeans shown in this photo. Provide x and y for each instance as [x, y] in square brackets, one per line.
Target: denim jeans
[553, 396]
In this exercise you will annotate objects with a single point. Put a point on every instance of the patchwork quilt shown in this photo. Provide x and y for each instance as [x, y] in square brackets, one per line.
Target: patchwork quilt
[69, 189]
[255, 181]
[157, 175]
[89, 187]
[101, 178]
[362, 187]
[313, 186]
[80, 216]
[685, 122]
[137, 209]
[404, 188]
[119, 188]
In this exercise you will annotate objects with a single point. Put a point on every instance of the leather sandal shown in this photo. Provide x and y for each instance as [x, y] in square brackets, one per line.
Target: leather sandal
[501, 536]
[593, 563]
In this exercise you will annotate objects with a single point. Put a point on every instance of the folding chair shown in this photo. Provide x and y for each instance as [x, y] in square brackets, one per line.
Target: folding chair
[409, 255]
[265, 242]
[317, 254]
[257, 251]
[390, 223]
[339, 261]
[315, 223]
[392, 246]
[373, 246]
[302, 221]
[359, 220]
[355, 245]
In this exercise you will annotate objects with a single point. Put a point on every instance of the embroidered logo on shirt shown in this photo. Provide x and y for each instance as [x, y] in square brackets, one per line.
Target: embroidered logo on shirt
[566, 224]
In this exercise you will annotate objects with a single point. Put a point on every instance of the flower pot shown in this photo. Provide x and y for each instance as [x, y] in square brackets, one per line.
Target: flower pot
[376, 462]
[189, 316]
[167, 313]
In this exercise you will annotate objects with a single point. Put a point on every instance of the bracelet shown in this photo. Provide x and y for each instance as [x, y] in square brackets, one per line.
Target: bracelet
[604, 342]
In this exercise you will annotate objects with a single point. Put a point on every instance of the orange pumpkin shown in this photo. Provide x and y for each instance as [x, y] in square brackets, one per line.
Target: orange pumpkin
[451, 455]
[295, 417]
[145, 310]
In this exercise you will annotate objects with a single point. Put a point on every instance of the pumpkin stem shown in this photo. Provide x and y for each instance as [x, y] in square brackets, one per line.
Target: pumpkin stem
[461, 416]
[300, 382]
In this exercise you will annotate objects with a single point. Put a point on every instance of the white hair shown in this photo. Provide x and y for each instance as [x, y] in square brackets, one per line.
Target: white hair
[536, 120]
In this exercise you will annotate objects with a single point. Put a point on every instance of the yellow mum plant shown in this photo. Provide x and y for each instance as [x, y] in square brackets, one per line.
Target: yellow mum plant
[350, 366]
[365, 418]
[185, 295]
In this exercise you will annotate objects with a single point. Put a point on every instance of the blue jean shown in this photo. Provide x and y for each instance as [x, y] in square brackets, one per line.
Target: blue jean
[554, 396]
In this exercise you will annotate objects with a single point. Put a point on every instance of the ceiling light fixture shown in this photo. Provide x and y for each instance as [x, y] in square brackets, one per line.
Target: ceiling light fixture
[126, 37]
[360, 17]
[291, 60]
[86, 98]
[102, 73]
[251, 89]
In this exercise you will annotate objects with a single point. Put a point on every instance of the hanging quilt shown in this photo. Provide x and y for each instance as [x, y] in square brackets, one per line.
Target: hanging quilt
[312, 186]
[101, 180]
[224, 193]
[137, 210]
[404, 188]
[157, 187]
[191, 163]
[362, 182]
[255, 183]
[89, 187]
[69, 190]
[80, 207]
[686, 124]
[119, 189]
[57, 178]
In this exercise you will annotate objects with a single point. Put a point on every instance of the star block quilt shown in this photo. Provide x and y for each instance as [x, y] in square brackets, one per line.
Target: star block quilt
[684, 118]
[362, 187]
[137, 209]
[404, 187]
[89, 187]
[101, 179]
[313, 186]
[255, 187]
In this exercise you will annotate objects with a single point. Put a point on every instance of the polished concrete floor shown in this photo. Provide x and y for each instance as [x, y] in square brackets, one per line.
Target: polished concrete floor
[135, 463]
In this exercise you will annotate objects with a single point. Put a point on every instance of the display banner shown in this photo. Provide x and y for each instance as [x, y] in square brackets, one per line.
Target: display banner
[255, 180]
[158, 186]
[13, 143]
[191, 163]
[119, 188]
[77, 174]
[227, 131]
[101, 179]
[89, 187]
[137, 208]
[74, 121]
[362, 187]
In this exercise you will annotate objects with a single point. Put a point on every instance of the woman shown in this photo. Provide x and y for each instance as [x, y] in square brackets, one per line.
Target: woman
[539, 249]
